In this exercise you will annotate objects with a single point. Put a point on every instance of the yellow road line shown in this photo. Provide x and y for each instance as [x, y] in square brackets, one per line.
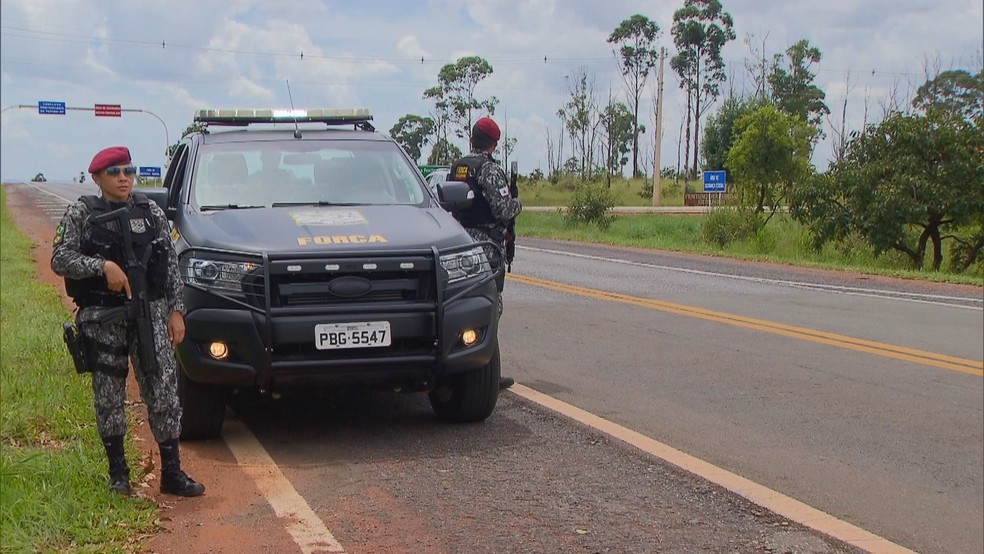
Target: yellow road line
[769, 499]
[953, 363]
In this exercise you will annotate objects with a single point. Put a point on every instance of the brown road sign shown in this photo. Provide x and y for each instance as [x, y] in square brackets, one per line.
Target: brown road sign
[108, 110]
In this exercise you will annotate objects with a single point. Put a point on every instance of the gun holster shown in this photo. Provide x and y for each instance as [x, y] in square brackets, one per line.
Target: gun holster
[76, 347]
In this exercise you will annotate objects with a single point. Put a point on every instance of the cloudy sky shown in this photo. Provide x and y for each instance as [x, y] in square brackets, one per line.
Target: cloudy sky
[173, 57]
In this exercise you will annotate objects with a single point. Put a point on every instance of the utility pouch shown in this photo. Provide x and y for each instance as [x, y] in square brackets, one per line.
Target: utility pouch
[73, 340]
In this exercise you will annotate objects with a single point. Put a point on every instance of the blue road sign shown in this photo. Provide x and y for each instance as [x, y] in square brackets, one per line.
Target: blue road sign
[147, 171]
[51, 108]
[715, 181]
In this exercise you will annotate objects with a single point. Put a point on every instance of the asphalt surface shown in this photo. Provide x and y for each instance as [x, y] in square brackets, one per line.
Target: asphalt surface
[524, 481]
[893, 446]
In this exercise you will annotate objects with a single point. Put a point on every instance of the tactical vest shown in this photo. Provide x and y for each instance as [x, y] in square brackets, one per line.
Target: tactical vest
[480, 213]
[105, 240]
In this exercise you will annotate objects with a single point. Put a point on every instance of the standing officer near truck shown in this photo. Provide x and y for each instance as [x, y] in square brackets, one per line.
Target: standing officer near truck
[494, 206]
[120, 267]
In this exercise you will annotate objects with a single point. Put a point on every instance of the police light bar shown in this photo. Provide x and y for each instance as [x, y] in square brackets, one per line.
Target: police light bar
[330, 116]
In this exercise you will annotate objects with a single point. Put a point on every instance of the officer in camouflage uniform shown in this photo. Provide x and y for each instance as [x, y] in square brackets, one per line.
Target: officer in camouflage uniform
[493, 206]
[89, 257]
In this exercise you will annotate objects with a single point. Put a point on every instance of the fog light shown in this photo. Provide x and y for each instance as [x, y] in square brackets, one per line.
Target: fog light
[218, 350]
[469, 337]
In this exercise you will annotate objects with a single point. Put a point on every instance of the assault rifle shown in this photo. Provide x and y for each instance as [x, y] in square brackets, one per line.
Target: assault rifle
[510, 240]
[137, 308]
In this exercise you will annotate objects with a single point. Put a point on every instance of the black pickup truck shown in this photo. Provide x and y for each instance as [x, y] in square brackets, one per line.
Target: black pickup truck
[314, 255]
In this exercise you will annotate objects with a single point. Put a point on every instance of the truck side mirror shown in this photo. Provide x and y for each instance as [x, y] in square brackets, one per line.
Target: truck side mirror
[455, 195]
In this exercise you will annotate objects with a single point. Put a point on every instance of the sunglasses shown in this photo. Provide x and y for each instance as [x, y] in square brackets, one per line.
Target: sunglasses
[114, 171]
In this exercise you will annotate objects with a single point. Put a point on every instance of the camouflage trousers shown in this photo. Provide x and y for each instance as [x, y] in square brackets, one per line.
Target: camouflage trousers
[494, 254]
[115, 344]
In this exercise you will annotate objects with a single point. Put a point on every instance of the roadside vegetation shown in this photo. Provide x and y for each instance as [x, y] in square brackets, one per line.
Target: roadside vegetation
[734, 231]
[904, 196]
[902, 193]
[783, 241]
[53, 489]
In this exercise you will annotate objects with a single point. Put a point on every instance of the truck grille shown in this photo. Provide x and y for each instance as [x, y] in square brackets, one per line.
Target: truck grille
[312, 283]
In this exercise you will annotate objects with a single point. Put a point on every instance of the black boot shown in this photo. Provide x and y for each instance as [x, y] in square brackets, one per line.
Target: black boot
[119, 472]
[173, 480]
[506, 382]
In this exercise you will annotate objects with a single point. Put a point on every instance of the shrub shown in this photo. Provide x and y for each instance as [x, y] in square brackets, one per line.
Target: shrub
[726, 225]
[590, 204]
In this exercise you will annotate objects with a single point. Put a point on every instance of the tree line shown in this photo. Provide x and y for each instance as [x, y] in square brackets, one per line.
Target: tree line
[912, 182]
[909, 180]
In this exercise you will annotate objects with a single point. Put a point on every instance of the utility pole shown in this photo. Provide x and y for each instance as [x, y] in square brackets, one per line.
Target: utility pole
[658, 139]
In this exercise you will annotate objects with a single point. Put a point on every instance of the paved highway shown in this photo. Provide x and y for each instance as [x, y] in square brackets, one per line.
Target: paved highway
[860, 396]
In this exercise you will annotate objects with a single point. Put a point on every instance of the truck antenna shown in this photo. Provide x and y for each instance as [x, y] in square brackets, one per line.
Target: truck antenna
[297, 130]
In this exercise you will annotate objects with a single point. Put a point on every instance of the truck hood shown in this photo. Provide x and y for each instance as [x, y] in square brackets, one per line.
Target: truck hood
[323, 229]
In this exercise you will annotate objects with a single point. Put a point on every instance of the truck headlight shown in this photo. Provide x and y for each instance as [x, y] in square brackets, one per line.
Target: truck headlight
[465, 265]
[218, 275]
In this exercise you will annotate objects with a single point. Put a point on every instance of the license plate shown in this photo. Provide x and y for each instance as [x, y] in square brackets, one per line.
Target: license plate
[363, 334]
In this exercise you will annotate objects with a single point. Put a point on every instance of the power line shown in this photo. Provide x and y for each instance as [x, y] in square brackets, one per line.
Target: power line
[71, 38]
[300, 54]
[215, 78]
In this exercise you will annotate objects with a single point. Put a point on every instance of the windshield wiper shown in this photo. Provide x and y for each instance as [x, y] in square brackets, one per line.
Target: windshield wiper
[318, 203]
[228, 207]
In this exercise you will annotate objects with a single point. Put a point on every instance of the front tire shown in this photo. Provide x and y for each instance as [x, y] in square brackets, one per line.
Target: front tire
[202, 408]
[468, 397]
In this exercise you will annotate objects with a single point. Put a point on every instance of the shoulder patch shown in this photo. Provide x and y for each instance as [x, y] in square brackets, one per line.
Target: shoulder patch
[504, 191]
[59, 234]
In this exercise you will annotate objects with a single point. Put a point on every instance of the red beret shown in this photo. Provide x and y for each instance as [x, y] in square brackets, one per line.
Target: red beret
[487, 127]
[107, 157]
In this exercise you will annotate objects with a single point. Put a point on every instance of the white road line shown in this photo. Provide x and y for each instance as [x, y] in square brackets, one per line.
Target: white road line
[68, 200]
[857, 291]
[783, 505]
[307, 530]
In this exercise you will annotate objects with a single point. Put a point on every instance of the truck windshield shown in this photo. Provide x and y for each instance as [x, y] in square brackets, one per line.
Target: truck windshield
[284, 173]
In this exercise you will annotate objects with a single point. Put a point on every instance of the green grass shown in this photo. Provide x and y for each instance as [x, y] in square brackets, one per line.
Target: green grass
[54, 494]
[782, 241]
[624, 191]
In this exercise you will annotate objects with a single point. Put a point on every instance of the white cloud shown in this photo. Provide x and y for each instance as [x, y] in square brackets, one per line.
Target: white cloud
[410, 47]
